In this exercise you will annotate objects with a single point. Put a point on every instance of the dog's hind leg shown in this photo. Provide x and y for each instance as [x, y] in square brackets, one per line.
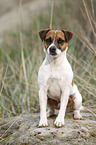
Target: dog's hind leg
[77, 102]
[50, 112]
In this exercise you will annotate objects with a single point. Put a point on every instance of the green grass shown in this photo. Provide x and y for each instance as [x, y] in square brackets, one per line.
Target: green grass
[19, 89]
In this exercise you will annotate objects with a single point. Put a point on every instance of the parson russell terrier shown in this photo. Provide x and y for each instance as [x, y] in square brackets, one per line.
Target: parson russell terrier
[55, 78]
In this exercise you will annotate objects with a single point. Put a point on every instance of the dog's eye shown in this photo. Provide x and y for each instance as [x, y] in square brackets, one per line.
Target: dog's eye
[60, 41]
[48, 41]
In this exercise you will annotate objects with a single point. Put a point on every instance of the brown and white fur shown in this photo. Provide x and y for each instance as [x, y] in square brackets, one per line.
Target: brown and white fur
[55, 78]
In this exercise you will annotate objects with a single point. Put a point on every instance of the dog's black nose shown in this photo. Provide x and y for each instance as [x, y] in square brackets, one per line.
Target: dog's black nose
[53, 50]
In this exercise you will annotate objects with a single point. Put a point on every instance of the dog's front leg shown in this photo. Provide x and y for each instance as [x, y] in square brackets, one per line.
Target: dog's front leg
[59, 122]
[43, 105]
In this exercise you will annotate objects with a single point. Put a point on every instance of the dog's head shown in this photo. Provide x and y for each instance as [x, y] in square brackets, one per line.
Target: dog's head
[55, 41]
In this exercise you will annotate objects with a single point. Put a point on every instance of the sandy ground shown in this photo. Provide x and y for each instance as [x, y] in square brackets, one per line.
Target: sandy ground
[24, 130]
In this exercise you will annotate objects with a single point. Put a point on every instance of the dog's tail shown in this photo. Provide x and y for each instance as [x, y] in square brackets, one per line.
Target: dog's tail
[82, 108]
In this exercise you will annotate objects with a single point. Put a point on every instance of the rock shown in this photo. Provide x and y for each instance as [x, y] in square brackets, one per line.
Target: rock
[24, 130]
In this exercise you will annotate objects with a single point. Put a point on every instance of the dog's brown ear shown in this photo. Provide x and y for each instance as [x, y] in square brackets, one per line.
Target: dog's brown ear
[68, 35]
[42, 33]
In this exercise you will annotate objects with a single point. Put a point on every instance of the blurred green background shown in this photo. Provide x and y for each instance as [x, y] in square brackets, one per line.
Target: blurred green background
[21, 50]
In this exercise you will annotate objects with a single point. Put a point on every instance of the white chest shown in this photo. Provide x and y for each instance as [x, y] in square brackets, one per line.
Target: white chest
[55, 77]
[54, 89]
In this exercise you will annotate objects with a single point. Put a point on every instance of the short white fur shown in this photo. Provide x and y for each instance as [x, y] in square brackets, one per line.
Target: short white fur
[55, 80]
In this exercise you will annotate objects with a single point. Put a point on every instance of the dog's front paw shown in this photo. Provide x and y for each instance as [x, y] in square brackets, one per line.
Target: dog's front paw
[43, 123]
[59, 122]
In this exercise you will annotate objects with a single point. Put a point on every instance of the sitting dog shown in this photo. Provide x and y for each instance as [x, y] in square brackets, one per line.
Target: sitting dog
[55, 78]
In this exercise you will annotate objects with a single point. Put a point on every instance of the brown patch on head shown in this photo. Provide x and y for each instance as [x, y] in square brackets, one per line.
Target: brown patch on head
[51, 34]
[60, 40]
[63, 48]
[49, 38]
